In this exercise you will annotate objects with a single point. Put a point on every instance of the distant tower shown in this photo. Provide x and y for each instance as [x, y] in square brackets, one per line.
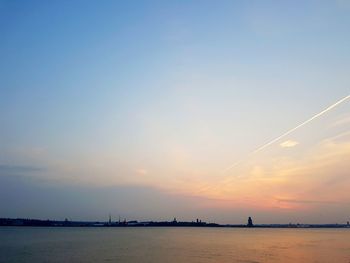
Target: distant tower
[250, 222]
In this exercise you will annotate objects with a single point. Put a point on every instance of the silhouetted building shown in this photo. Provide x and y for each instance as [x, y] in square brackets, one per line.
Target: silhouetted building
[250, 222]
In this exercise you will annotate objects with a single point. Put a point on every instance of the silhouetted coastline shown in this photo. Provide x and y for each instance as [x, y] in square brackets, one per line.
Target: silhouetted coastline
[174, 223]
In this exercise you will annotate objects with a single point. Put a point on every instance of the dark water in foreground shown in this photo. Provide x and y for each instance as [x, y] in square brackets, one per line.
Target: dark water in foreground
[29, 244]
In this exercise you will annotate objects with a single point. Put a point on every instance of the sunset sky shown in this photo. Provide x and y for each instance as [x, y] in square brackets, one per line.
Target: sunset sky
[151, 110]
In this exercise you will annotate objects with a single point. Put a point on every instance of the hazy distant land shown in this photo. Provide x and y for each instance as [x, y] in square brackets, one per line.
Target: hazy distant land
[174, 223]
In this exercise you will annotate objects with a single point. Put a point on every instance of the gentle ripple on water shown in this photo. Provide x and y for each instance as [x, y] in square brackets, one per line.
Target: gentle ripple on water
[163, 244]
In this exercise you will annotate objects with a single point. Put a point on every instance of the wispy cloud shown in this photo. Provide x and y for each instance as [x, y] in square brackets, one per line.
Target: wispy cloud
[301, 201]
[342, 121]
[141, 171]
[289, 144]
[291, 130]
[18, 169]
[312, 177]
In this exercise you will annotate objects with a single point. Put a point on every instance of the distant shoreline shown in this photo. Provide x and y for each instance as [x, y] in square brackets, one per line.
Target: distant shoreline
[22, 222]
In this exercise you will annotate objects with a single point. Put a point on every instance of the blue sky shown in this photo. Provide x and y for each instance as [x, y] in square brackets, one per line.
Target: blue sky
[164, 94]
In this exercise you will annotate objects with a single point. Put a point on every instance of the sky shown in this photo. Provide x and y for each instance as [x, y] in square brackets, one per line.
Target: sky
[151, 110]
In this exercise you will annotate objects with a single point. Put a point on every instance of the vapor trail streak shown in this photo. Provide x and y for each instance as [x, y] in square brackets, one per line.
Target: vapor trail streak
[290, 131]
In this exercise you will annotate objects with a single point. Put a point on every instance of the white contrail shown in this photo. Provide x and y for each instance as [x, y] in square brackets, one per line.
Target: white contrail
[290, 131]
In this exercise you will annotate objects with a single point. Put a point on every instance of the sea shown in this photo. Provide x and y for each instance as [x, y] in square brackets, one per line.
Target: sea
[173, 244]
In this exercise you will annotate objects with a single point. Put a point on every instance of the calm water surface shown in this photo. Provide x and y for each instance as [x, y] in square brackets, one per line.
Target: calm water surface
[30, 244]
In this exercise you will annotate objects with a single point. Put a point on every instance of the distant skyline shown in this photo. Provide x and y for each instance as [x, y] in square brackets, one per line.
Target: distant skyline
[152, 110]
